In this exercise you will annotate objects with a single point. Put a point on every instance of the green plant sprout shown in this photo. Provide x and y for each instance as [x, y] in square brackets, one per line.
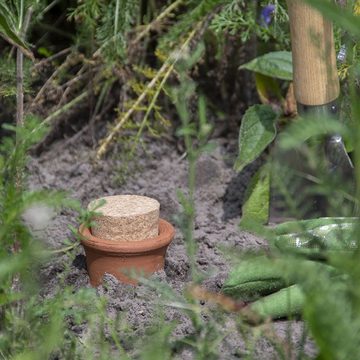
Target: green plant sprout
[196, 143]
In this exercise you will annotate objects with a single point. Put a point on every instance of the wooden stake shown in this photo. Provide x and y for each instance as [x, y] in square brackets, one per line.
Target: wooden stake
[314, 60]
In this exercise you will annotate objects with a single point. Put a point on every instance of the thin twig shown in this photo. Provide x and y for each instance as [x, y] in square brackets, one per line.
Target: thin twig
[50, 79]
[20, 70]
[151, 106]
[48, 8]
[75, 137]
[150, 26]
[24, 25]
[79, 76]
[19, 109]
[164, 14]
[19, 88]
[58, 112]
[52, 57]
[70, 83]
[64, 108]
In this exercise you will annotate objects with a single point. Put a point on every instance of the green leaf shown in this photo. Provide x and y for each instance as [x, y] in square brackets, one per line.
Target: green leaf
[311, 224]
[7, 32]
[257, 131]
[285, 302]
[42, 50]
[322, 233]
[268, 90]
[255, 277]
[276, 64]
[256, 206]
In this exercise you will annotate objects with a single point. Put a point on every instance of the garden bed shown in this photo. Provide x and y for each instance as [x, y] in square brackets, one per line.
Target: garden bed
[219, 195]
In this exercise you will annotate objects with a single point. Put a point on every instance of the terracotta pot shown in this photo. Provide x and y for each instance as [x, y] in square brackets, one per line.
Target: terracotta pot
[121, 257]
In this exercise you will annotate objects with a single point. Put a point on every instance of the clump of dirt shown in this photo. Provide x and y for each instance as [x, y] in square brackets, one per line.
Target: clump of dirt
[218, 200]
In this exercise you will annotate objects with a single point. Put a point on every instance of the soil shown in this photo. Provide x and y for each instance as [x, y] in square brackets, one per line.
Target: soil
[220, 192]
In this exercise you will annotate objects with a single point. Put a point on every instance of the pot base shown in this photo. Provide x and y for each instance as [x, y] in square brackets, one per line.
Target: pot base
[122, 258]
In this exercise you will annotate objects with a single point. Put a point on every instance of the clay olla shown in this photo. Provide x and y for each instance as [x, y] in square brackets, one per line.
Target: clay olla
[128, 236]
[125, 218]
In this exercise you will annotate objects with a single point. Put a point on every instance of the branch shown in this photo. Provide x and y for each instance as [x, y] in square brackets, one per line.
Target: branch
[164, 14]
[169, 63]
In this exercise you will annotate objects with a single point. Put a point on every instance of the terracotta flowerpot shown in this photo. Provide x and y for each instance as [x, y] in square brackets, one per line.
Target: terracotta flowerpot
[120, 257]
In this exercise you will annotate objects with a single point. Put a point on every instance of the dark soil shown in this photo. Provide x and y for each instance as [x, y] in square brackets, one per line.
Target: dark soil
[219, 195]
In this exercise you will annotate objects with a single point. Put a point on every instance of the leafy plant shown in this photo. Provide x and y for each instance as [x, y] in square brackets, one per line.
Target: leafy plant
[315, 257]
[277, 64]
[105, 26]
[241, 17]
[191, 132]
[11, 19]
[22, 311]
[258, 129]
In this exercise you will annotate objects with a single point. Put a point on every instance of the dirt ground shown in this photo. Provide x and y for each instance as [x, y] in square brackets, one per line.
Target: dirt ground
[219, 194]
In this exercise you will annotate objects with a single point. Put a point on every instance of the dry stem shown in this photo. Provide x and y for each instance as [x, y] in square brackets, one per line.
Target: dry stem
[164, 14]
[168, 64]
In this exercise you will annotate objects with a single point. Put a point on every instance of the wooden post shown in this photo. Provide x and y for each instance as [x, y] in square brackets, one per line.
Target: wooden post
[314, 60]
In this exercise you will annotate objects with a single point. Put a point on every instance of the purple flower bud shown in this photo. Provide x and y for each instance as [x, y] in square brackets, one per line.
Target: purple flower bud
[266, 15]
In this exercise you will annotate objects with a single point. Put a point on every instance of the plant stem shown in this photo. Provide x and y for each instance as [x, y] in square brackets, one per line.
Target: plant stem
[69, 61]
[170, 61]
[150, 108]
[52, 57]
[19, 124]
[21, 16]
[116, 20]
[19, 109]
[66, 107]
[19, 88]
[23, 25]
[163, 15]
[190, 242]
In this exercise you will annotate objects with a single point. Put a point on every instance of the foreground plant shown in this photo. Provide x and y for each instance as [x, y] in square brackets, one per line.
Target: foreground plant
[311, 267]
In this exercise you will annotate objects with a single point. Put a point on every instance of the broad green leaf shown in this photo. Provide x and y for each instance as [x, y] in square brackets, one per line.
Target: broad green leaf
[257, 131]
[256, 206]
[323, 233]
[311, 224]
[276, 64]
[254, 277]
[285, 302]
[268, 90]
[261, 275]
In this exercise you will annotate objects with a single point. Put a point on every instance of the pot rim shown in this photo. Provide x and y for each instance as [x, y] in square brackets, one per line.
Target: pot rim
[166, 234]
